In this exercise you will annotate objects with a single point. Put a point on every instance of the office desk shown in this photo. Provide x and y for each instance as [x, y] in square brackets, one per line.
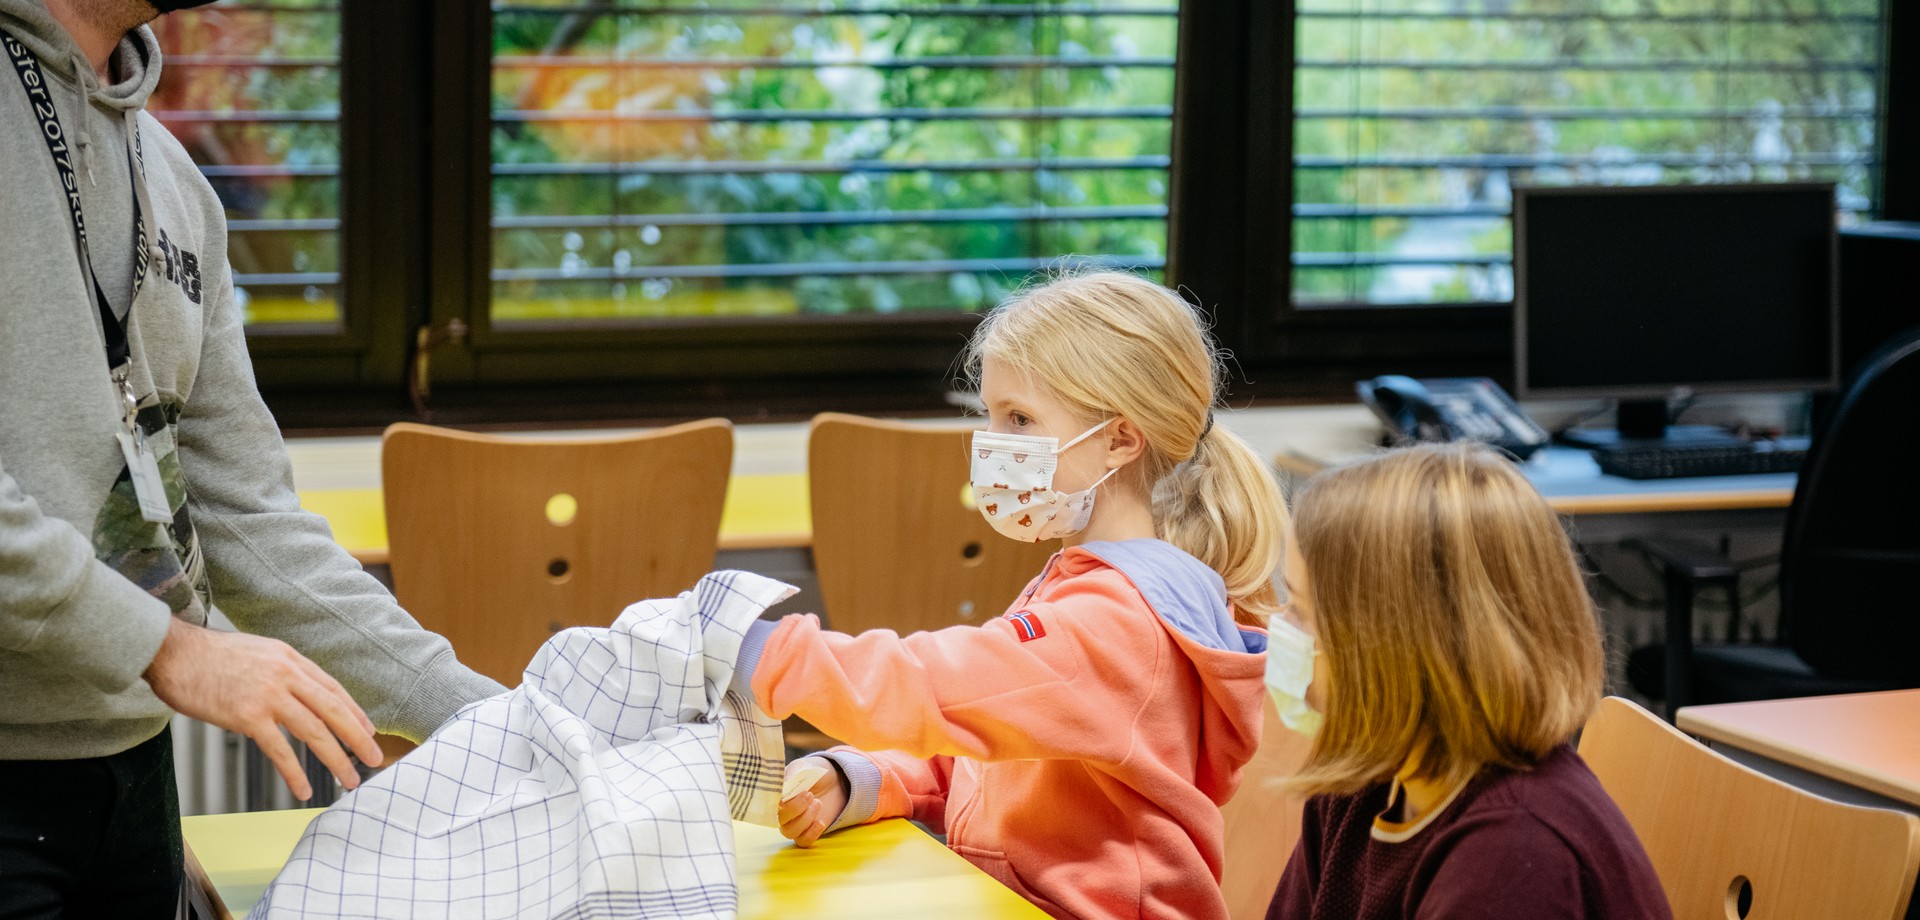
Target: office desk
[1858, 748]
[1867, 741]
[889, 869]
[1573, 484]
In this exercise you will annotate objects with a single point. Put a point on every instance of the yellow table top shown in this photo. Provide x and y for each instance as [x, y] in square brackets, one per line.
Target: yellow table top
[890, 869]
[772, 511]
[762, 512]
[887, 869]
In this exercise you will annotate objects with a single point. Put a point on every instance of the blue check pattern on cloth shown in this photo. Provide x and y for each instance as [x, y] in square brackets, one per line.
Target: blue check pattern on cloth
[603, 786]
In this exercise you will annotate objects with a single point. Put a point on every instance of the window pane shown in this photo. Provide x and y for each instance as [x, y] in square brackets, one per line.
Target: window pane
[1414, 119]
[252, 90]
[800, 158]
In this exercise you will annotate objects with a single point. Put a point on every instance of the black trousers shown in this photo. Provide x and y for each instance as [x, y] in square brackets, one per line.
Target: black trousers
[91, 838]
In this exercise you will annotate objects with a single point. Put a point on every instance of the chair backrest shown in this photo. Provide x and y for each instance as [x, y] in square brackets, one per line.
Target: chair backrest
[497, 543]
[1262, 822]
[1709, 824]
[1851, 556]
[897, 542]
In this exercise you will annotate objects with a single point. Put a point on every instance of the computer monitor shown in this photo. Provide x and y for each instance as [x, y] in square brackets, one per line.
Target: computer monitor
[1635, 292]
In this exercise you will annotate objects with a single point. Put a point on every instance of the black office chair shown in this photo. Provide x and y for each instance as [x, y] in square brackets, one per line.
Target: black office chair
[1849, 565]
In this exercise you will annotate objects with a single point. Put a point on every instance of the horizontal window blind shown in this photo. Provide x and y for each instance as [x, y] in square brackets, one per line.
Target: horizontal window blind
[252, 90]
[808, 158]
[1414, 119]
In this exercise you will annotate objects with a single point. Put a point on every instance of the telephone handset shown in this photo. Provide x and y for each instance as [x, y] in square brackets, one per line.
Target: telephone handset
[1448, 408]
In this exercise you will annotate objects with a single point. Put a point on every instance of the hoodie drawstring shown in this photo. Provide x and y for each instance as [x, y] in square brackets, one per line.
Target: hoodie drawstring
[84, 72]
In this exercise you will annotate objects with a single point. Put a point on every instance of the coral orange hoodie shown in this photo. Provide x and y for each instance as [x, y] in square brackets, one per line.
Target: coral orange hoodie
[1077, 749]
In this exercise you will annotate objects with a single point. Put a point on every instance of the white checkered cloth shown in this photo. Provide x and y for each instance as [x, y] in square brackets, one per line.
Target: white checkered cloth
[602, 786]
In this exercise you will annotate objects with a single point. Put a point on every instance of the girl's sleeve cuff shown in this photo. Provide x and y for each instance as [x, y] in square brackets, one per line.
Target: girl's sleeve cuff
[751, 646]
[863, 787]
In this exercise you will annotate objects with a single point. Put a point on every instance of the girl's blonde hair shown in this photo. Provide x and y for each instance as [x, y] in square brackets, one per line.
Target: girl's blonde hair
[1112, 344]
[1455, 629]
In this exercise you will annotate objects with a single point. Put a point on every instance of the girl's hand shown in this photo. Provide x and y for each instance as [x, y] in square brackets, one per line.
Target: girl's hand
[805, 816]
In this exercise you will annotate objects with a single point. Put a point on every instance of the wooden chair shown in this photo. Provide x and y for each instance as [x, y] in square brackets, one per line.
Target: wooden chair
[1263, 823]
[497, 543]
[897, 543]
[200, 899]
[1718, 831]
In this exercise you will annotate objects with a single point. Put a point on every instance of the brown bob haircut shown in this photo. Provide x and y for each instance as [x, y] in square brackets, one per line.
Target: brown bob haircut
[1455, 628]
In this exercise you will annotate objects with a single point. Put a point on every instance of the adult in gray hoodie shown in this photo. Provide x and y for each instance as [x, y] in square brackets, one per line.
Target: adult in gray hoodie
[102, 606]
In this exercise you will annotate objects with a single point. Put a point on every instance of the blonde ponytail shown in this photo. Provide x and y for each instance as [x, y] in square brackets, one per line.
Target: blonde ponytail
[1113, 344]
[1224, 508]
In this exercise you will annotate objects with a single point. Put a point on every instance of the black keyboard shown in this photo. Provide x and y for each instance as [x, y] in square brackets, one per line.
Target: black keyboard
[1668, 462]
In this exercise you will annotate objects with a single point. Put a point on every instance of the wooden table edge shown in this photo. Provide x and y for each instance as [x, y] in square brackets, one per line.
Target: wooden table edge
[782, 539]
[1671, 501]
[777, 539]
[1689, 720]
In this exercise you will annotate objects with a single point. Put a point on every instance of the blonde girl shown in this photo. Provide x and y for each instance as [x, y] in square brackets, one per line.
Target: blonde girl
[1078, 748]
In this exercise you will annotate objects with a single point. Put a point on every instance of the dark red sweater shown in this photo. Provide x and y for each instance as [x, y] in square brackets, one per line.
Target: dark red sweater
[1537, 845]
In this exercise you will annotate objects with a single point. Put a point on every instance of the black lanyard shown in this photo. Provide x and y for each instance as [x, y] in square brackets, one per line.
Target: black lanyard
[119, 356]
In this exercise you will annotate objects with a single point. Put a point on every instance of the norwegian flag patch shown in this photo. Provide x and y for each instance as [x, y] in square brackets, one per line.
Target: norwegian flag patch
[1027, 624]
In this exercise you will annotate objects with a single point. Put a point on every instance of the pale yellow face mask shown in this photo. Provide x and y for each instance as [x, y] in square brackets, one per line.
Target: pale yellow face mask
[1290, 654]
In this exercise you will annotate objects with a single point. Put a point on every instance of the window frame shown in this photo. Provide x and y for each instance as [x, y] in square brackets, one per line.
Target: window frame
[907, 356]
[352, 377]
[1899, 133]
[417, 170]
[1234, 202]
[1232, 207]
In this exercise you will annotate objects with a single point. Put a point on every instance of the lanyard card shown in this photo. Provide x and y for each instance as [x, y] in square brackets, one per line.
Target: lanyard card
[145, 472]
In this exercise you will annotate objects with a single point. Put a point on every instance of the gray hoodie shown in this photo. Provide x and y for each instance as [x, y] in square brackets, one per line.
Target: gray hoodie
[87, 585]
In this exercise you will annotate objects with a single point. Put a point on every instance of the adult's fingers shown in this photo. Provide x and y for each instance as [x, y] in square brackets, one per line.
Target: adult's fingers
[325, 697]
[307, 727]
[326, 680]
[337, 711]
[280, 754]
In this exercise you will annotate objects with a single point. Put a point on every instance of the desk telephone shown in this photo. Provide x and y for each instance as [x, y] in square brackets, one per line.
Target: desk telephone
[1443, 409]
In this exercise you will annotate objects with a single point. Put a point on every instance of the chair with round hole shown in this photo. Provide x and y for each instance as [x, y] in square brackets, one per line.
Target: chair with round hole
[1729, 842]
[897, 543]
[499, 542]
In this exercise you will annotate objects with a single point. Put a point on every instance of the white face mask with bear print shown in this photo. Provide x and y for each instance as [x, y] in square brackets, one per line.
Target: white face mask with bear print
[1013, 486]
